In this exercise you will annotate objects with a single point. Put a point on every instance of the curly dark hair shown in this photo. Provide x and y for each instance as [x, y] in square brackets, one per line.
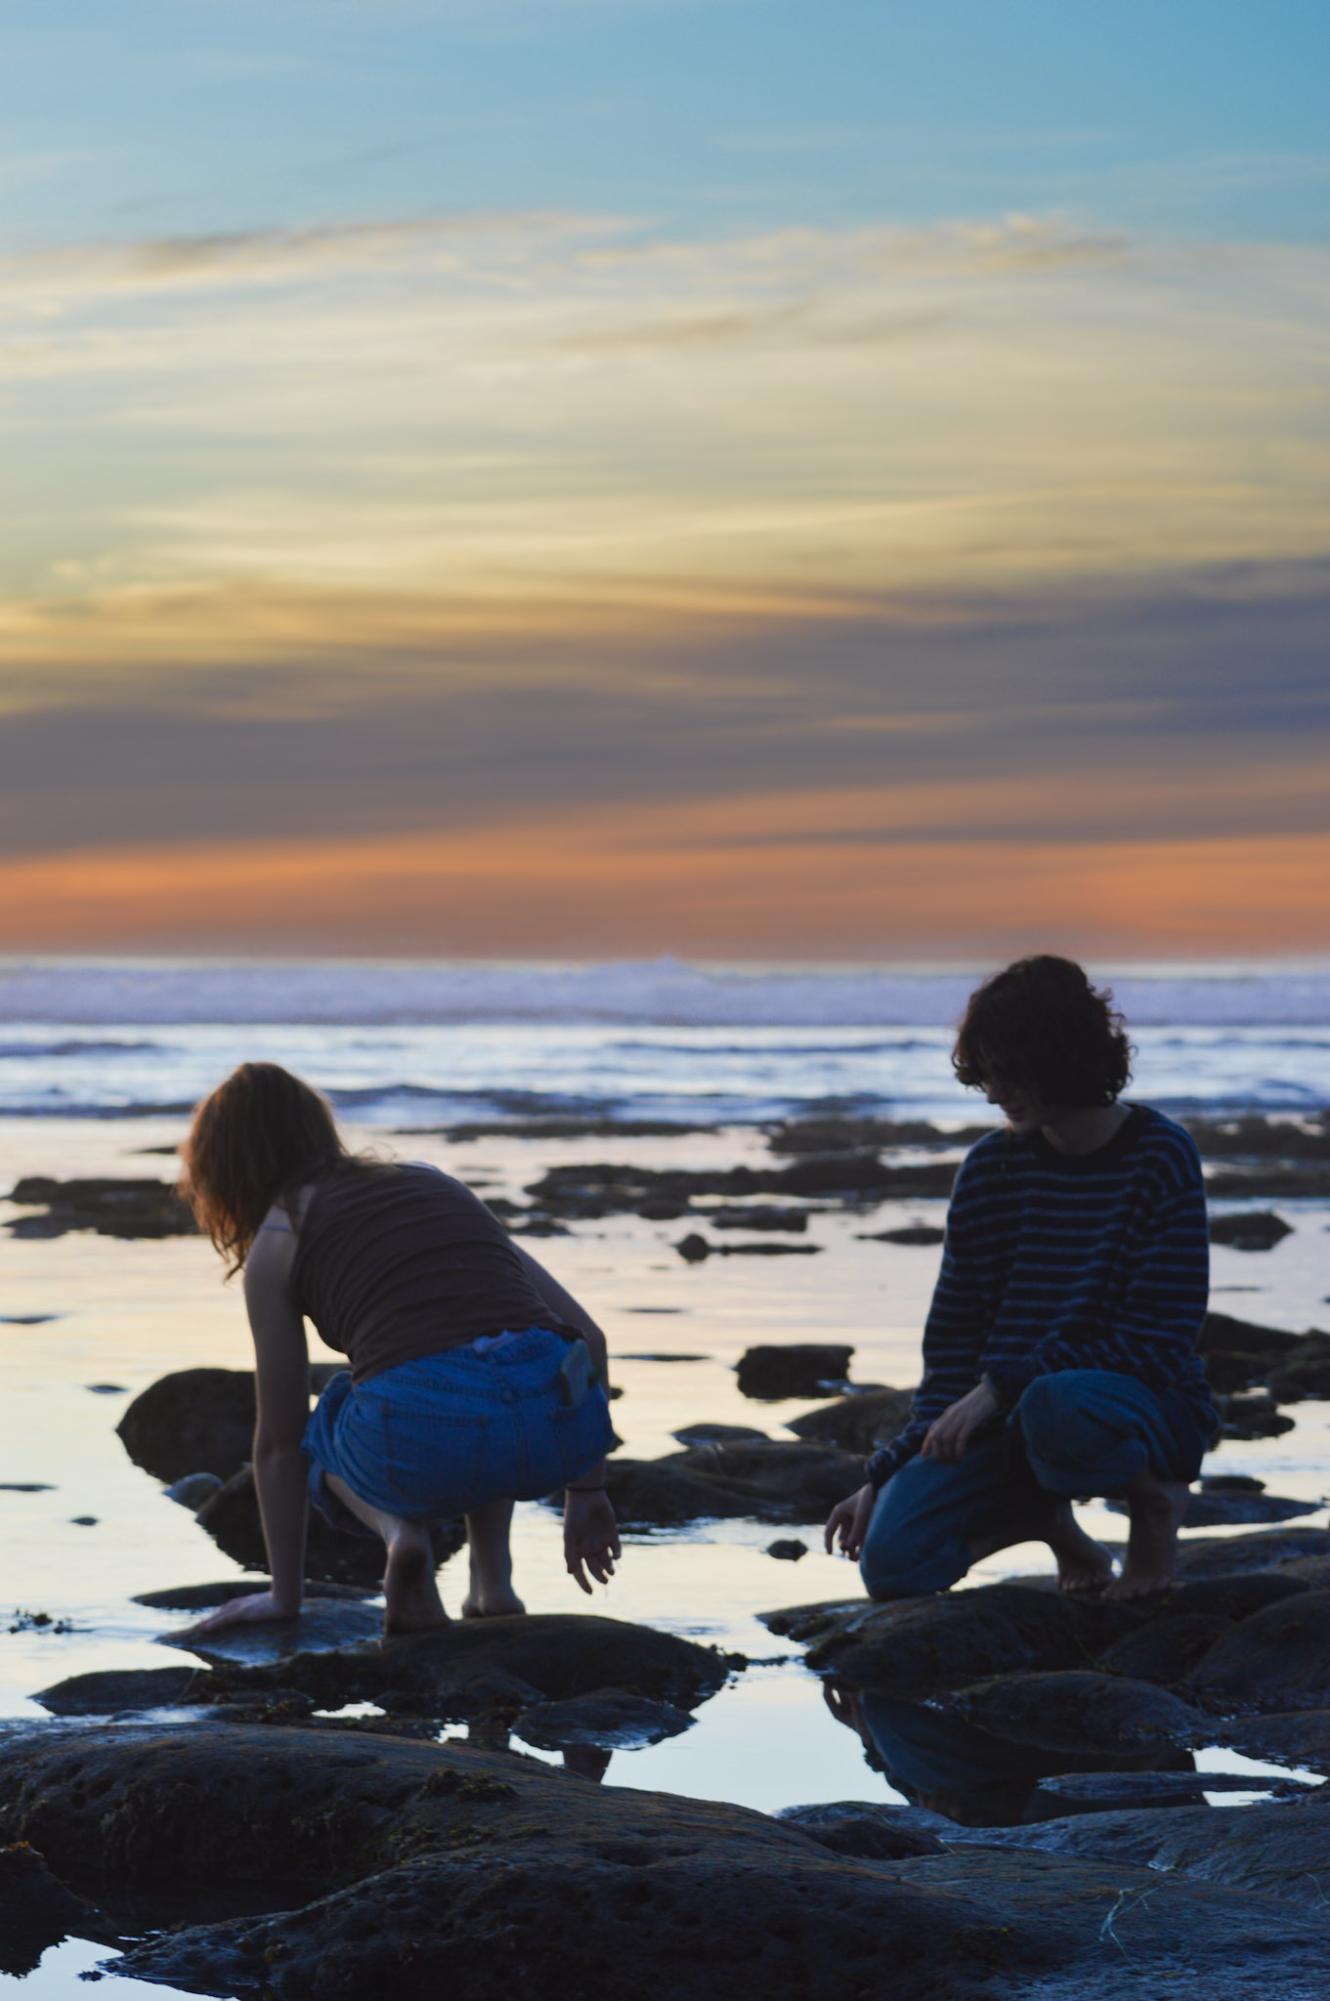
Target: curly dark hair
[1039, 1024]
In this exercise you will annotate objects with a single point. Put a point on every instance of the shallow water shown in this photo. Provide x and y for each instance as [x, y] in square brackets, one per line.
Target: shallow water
[124, 1313]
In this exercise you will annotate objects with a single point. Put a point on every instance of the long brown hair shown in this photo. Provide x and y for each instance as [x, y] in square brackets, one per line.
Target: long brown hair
[255, 1140]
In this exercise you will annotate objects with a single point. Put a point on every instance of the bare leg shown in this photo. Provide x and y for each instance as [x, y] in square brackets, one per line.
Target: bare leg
[491, 1595]
[1083, 1564]
[1155, 1509]
[412, 1595]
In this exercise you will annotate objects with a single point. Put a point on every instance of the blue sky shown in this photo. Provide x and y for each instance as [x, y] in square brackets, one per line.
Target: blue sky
[204, 115]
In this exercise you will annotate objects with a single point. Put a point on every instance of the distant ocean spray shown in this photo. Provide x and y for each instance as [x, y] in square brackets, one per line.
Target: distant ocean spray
[420, 1043]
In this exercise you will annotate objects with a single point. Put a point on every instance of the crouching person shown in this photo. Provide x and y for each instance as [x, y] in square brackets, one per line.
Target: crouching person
[1060, 1347]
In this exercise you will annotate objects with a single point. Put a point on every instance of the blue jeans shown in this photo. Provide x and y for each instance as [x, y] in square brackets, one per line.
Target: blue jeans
[432, 1439]
[1076, 1433]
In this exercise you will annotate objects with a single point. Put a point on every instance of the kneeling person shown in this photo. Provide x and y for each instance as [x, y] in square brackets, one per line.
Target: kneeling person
[1060, 1347]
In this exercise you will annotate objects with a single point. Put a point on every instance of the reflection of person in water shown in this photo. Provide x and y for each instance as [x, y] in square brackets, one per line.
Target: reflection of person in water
[1059, 1352]
[941, 1762]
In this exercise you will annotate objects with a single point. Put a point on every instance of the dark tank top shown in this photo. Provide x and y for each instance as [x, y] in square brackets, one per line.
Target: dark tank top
[397, 1262]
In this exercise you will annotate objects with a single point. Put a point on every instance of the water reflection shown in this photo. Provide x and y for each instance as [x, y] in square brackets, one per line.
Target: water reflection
[940, 1761]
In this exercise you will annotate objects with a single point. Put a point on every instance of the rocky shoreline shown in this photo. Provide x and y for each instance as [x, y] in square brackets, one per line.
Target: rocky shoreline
[290, 1813]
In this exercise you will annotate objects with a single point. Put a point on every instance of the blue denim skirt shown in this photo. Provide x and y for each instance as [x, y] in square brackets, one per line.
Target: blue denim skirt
[437, 1437]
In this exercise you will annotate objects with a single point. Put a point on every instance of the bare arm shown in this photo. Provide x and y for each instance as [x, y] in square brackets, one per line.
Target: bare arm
[282, 1384]
[567, 1309]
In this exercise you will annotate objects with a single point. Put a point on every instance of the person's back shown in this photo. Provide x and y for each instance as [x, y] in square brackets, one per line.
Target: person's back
[396, 1262]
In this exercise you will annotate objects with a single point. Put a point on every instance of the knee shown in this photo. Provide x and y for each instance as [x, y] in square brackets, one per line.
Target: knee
[893, 1566]
[1050, 1414]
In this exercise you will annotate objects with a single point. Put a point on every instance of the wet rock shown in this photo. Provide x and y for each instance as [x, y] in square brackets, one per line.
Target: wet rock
[694, 1249]
[857, 1422]
[27, 1319]
[37, 1910]
[861, 1828]
[846, 1135]
[113, 1208]
[1167, 1649]
[1250, 1230]
[915, 1647]
[1239, 1353]
[720, 1434]
[597, 1189]
[758, 1216]
[198, 1420]
[1251, 1414]
[1228, 1556]
[656, 1355]
[116, 1690]
[1276, 1659]
[788, 1549]
[83, 1521]
[1271, 1849]
[202, 1597]
[611, 1720]
[1305, 1372]
[193, 1490]
[1227, 1509]
[444, 1869]
[1297, 1738]
[106, 1389]
[1110, 1792]
[908, 1233]
[231, 1518]
[1256, 1138]
[1270, 1181]
[1077, 1710]
[768, 1480]
[322, 1625]
[1231, 1483]
[26, 1487]
[794, 1369]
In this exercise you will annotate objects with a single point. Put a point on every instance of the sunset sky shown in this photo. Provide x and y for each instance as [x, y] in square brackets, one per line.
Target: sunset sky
[725, 477]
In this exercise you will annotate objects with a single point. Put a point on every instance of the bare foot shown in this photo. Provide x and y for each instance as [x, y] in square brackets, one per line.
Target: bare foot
[1155, 1509]
[1083, 1564]
[491, 1601]
[409, 1587]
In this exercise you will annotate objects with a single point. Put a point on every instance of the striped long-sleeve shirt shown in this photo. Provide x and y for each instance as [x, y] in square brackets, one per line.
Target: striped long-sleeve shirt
[1067, 1261]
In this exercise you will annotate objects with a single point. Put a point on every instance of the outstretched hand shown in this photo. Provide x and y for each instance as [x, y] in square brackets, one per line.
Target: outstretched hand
[590, 1537]
[253, 1609]
[848, 1522]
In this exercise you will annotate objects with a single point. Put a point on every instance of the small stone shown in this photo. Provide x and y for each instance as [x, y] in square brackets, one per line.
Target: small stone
[1251, 1230]
[788, 1548]
[193, 1490]
[107, 1389]
[693, 1249]
[83, 1521]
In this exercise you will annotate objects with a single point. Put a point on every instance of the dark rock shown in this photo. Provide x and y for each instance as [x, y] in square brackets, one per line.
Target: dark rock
[792, 1370]
[198, 1421]
[1225, 1509]
[609, 1719]
[861, 1828]
[858, 1421]
[1274, 1849]
[37, 1910]
[1167, 1649]
[193, 1490]
[1256, 1138]
[202, 1597]
[1272, 1181]
[27, 1319]
[768, 1480]
[1111, 1792]
[1240, 1354]
[113, 1208]
[1250, 1230]
[1250, 1414]
[654, 1355]
[231, 1518]
[322, 1626]
[1305, 1372]
[1227, 1556]
[788, 1549]
[914, 1647]
[26, 1487]
[850, 1135]
[1298, 1738]
[83, 1521]
[1231, 1483]
[720, 1434]
[1276, 1659]
[1077, 1710]
[908, 1233]
[107, 1389]
[115, 1690]
[597, 1189]
[693, 1249]
[758, 1216]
